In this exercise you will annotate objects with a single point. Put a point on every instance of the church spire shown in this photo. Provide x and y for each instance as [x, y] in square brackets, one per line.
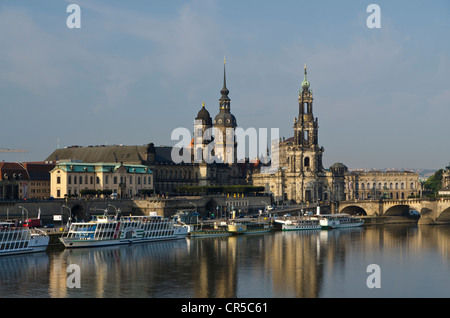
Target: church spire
[224, 100]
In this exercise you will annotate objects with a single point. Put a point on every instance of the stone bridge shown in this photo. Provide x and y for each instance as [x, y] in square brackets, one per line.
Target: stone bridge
[432, 210]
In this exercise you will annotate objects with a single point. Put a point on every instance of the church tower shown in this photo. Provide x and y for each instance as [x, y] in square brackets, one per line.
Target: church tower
[224, 127]
[306, 131]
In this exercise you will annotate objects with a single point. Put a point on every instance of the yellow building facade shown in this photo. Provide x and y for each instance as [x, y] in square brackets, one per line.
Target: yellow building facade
[124, 180]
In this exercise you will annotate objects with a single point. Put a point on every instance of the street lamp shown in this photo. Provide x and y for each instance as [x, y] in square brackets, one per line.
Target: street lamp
[22, 211]
[194, 205]
[69, 218]
[117, 210]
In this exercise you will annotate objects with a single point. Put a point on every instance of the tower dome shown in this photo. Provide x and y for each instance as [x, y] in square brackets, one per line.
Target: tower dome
[204, 116]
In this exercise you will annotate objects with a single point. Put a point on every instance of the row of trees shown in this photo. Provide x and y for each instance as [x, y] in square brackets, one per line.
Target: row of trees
[246, 189]
[108, 192]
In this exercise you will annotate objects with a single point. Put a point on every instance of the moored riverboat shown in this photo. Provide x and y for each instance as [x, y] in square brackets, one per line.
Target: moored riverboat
[214, 230]
[335, 221]
[20, 240]
[259, 227]
[302, 224]
[105, 231]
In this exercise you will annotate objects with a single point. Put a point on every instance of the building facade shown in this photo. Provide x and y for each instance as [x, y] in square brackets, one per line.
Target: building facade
[445, 187]
[125, 180]
[301, 176]
[397, 185]
[167, 174]
[26, 180]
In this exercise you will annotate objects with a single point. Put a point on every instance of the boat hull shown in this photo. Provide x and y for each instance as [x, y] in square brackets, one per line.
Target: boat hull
[200, 234]
[33, 249]
[74, 243]
[300, 227]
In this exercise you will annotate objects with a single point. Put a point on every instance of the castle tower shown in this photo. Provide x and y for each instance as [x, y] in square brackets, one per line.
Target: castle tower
[224, 125]
[202, 134]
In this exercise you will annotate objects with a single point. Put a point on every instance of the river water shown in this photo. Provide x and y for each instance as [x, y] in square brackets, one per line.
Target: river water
[412, 261]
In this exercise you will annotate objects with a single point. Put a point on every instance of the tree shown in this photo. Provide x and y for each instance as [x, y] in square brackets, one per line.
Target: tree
[434, 183]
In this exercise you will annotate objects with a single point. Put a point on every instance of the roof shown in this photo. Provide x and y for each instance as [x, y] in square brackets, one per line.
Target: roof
[25, 170]
[38, 170]
[101, 167]
[112, 154]
[117, 153]
[12, 170]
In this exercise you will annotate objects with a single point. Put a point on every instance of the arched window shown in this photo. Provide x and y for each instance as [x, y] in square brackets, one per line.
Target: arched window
[307, 162]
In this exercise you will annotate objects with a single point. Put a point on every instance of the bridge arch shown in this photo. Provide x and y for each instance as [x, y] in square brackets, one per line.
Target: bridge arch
[397, 210]
[78, 213]
[444, 216]
[354, 210]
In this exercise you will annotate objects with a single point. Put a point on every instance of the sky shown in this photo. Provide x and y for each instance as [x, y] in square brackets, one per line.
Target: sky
[136, 70]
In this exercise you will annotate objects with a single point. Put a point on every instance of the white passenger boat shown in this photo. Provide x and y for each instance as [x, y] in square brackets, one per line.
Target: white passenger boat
[19, 240]
[104, 231]
[334, 221]
[307, 223]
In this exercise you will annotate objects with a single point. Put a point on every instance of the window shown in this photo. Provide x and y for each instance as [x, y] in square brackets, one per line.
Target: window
[58, 193]
[69, 179]
[115, 180]
[307, 162]
[58, 180]
[92, 180]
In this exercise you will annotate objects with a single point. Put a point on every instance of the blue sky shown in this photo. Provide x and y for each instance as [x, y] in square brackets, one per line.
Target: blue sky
[136, 70]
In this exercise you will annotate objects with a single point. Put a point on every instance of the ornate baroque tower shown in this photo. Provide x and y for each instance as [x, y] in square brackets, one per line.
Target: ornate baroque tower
[306, 131]
[306, 155]
[224, 125]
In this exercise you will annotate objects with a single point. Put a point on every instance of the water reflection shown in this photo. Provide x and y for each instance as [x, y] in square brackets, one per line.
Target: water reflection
[24, 275]
[414, 262]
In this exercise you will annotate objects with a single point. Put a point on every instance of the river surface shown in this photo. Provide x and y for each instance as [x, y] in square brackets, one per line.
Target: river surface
[411, 261]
